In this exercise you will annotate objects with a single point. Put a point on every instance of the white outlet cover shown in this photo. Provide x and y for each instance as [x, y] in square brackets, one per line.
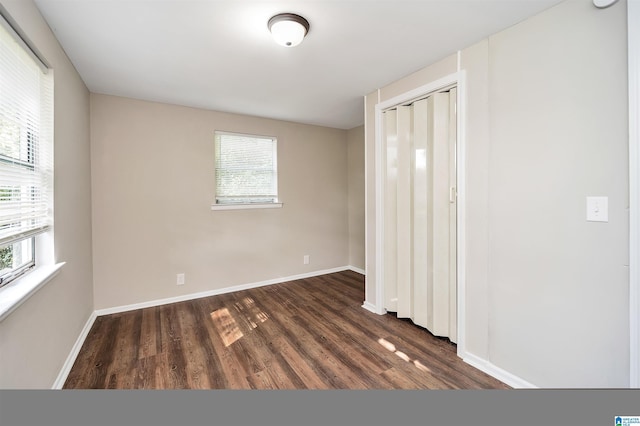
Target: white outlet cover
[598, 209]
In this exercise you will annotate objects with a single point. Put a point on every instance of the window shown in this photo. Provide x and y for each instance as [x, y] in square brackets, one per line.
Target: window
[26, 166]
[246, 170]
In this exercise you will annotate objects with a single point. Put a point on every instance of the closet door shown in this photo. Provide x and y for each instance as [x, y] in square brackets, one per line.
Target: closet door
[431, 214]
[420, 213]
[453, 218]
[404, 222]
[390, 212]
[421, 233]
[438, 216]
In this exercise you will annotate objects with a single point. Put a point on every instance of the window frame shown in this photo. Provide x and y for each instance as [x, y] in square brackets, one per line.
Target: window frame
[32, 143]
[31, 276]
[276, 203]
[24, 267]
[19, 270]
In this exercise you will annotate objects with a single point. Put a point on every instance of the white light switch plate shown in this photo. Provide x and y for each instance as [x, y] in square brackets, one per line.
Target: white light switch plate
[598, 209]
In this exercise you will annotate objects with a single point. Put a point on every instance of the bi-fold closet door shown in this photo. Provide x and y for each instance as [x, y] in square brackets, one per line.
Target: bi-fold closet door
[420, 213]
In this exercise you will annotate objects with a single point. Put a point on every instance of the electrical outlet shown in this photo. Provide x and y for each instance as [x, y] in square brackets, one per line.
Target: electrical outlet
[180, 279]
[306, 259]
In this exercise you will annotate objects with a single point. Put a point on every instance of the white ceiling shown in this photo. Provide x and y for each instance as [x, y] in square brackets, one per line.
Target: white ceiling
[219, 55]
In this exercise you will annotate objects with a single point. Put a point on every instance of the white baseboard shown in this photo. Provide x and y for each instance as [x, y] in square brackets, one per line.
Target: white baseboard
[75, 350]
[358, 270]
[497, 372]
[371, 308]
[191, 296]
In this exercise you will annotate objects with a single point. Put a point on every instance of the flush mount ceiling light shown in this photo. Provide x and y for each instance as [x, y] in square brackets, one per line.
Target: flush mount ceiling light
[602, 4]
[288, 29]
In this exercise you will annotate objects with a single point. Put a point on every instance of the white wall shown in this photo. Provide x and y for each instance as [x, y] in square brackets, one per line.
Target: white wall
[555, 140]
[546, 125]
[36, 339]
[153, 185]
[355, 159]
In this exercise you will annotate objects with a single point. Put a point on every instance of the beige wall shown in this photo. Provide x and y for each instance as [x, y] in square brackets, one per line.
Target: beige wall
[152, 180]
[355, 159]
[475, 61]
[36, 339]
[546, 119]
[555, 140]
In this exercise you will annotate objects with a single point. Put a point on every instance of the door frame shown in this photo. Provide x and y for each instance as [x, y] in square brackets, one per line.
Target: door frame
[456, 79]
[633, 34]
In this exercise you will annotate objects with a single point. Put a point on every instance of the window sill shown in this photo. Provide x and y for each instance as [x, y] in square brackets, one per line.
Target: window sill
[246, 206]
[18, 291]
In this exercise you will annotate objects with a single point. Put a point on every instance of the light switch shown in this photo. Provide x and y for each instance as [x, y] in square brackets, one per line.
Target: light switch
[598, 209]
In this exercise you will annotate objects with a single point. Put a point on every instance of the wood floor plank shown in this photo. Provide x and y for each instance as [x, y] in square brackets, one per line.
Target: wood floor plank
[358, 361]
[310, 353]
[174, 365]
[206, 336]
[192, 349]
[149, 345]
[245, 345]
[310, 333]
[123, 349]
[95, 356]
[145, 373]
[303, 369]
[230, 373]
[401, 380]
[328, 344]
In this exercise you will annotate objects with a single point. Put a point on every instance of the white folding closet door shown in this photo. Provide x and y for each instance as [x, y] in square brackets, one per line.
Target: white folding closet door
[404, 213]
[390, 212]
[422, 248]
[420, 213]
[453, 218]
[438, 223]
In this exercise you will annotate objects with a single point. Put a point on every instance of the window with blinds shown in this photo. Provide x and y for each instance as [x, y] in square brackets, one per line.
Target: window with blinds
[246, 169]
[26, 160]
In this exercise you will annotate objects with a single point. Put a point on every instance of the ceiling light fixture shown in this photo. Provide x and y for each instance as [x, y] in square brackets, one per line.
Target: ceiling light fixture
[288, 29]
[602, 4]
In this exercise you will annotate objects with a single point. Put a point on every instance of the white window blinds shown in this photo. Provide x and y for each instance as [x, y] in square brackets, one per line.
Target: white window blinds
[246, 169]
[26, 141]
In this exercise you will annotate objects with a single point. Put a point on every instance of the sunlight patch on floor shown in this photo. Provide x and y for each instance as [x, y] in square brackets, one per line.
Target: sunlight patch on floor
[258, 315]
[421, 366]
[403, 356]
[392, 348]
[227, 327]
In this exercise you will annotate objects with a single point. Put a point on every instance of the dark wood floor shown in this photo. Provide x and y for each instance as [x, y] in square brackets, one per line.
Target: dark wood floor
[305, 334]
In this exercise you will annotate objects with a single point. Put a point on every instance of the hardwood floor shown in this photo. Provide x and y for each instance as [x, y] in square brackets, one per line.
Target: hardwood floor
[305, 334]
